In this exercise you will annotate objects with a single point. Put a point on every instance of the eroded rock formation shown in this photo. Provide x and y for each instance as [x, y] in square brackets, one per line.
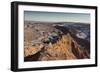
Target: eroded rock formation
[65, 48]
[43, 42]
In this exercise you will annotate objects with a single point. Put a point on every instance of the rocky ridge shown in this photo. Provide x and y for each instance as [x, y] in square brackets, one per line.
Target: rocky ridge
[66, 47]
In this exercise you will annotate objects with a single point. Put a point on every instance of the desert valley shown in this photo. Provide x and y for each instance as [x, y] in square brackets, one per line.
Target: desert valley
[45, 41]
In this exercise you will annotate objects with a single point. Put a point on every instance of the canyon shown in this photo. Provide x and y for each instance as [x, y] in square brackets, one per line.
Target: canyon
[53, 41]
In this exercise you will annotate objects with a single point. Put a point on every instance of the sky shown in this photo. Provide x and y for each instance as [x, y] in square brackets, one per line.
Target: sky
[56, 16]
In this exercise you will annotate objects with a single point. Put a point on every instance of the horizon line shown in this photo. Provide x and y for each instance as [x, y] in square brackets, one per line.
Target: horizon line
[56, 21]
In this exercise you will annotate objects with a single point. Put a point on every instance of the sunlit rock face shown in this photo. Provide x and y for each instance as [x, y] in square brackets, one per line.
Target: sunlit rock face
[46, 41]
[64, 49]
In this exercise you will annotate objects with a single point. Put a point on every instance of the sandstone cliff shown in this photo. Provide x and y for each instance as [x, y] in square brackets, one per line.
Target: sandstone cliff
[65, 48]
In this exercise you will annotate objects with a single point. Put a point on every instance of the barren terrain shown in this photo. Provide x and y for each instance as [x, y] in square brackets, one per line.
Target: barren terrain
[44, 41]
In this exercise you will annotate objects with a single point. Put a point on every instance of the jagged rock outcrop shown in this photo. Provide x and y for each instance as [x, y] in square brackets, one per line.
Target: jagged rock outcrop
[49, 41]
[65, 48]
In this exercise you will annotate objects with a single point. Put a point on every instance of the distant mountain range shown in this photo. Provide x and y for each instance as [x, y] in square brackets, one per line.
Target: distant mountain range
[54, 22]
